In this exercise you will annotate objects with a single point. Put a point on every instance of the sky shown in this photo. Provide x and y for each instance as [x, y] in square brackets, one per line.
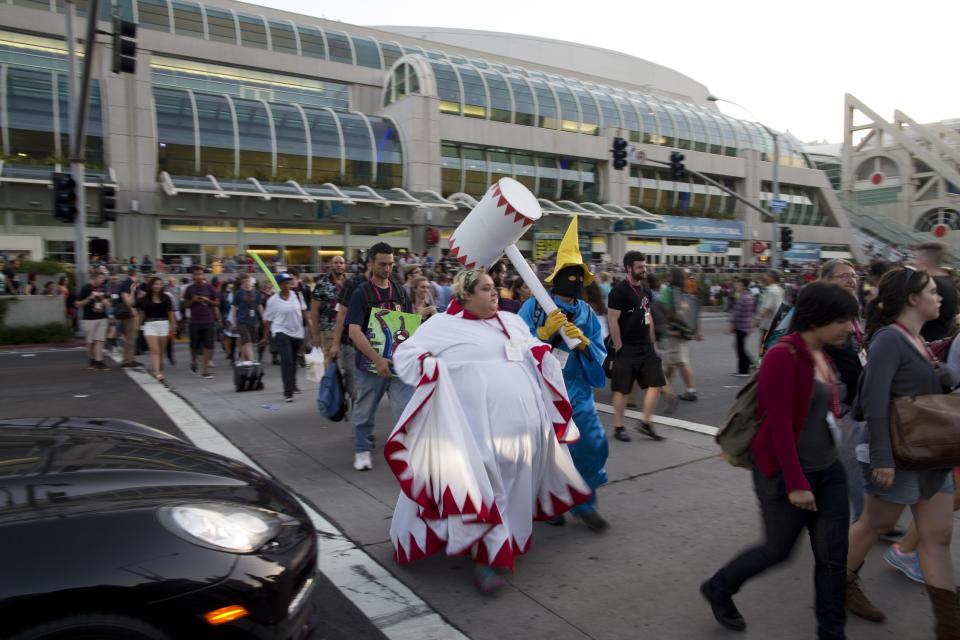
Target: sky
[788, 63]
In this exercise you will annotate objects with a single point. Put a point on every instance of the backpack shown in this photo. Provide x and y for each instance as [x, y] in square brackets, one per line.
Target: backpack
[683, 316]
[779, 327]
[743, 423]
[331, 400]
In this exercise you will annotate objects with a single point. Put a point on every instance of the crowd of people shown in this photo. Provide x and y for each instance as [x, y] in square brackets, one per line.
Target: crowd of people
[834, 349]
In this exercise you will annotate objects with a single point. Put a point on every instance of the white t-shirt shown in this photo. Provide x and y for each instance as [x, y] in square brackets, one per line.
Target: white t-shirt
[771, 301]
[285, 316]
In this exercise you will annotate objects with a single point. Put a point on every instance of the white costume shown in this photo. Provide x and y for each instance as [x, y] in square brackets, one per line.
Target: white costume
[480, 449]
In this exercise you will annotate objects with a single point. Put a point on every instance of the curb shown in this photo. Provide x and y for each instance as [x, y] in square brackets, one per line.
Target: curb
[43, 345]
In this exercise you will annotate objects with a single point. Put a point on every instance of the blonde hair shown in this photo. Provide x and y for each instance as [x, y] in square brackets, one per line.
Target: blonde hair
[466, 282]
[415, 284]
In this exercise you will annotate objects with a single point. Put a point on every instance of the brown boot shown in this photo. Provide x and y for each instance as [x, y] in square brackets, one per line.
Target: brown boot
[946, 611]
[857, 602]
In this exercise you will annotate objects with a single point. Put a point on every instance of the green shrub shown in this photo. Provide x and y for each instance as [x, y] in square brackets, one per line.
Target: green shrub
[53, 332]
[42, 267]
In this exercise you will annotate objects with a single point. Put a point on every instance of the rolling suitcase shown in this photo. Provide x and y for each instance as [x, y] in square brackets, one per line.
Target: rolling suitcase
[247, 376]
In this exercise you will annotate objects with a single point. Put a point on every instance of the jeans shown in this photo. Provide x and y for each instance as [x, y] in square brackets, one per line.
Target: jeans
[783, 523]
[288, 347]
[743, 358]
[370, 389]
[851, 434]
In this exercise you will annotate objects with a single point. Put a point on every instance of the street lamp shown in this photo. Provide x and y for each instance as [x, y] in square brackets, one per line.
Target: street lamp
[776, 172]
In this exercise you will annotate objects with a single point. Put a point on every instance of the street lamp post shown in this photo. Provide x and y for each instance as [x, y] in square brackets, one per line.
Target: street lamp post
[776, 173]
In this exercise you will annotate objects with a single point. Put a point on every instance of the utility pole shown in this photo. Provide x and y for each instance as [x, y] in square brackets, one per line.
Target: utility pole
[78, 106]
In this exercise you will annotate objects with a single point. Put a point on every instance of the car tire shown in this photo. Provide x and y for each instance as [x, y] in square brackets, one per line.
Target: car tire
[92, 626]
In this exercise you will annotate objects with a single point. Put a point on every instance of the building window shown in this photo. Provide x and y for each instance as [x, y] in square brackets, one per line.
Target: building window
[153, 14]
[187, 19]
[253, 33]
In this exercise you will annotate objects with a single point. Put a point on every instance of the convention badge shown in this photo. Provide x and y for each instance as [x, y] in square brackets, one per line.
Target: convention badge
[834, 428]
[561, 356]
[252, 312]
[514, 351]
[646, 317]
[863, 357]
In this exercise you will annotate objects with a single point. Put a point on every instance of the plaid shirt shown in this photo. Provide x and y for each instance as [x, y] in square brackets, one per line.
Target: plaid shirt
[327, 293]
[742, 315]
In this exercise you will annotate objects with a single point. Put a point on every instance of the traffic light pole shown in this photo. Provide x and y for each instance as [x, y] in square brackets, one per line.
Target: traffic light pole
[77, 106]
[776, 193]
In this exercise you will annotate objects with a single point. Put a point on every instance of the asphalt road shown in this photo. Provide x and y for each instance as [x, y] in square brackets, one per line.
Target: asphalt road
[676, 511]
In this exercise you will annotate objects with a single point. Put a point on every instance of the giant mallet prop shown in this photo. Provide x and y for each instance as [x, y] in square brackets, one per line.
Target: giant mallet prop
[493, 227]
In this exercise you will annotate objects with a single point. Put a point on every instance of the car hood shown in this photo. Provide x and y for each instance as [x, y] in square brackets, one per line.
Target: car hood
[57, 472]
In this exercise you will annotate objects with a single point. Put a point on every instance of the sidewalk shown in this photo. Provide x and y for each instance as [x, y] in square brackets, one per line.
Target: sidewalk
[676, 511]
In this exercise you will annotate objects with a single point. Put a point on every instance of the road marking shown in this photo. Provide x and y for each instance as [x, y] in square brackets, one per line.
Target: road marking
[664, 420]
[389, 604]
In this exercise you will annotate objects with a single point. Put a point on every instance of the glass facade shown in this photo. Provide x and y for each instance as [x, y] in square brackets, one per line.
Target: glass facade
[470, 169]
[233, 138]
[34, 120]
[653, 190]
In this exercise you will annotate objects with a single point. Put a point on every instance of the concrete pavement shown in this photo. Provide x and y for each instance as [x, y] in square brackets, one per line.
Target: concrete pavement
[677, 512]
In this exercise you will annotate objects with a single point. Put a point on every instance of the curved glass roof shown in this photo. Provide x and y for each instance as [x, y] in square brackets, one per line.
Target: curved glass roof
[476, 89]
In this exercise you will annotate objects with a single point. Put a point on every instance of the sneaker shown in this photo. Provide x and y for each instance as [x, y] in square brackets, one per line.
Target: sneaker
[131, 364]
[559, 521]
[594, 521]
[101, 366]
[689, 396]
[724, 610]
[488, 579]
[361, 461]
[212, 365]
[621, 434]
[297, 389]
[207, 376]
[907, 563]
[288, 397]
[741, 375]
[647, 429]
[92, 365]
[857, 602]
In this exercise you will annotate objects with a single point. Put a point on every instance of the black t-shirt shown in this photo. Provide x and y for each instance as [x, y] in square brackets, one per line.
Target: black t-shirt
[943, 325]
[346, 292]
[367, 296]
[156, 310]
[847, 361]
[633, 303]
[94, 309]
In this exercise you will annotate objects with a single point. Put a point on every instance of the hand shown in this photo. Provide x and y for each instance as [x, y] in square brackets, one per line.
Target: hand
[335, 351]
[383, 366]
[803, 500]
[573, 331]
[883, 478]
[315, 340]
[554, 321]
[617, 347]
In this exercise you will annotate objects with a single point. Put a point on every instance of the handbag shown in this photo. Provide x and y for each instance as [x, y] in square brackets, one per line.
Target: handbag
[925, 431]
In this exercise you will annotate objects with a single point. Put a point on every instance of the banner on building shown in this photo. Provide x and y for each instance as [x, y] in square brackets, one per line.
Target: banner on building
[803, 252]
[684, 227]
[713, 246]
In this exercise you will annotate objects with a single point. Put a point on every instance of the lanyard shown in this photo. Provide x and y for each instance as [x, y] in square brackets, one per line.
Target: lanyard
[643, 302]
[932, 358]
[858, 333]
[376, 290]
[831, 379]
[503, 327]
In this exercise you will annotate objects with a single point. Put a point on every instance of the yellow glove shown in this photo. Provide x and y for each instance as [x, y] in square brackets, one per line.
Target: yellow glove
[573, 331]
[554, 321]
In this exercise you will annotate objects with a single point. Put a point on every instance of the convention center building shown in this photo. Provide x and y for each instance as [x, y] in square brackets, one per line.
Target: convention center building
[248, 128]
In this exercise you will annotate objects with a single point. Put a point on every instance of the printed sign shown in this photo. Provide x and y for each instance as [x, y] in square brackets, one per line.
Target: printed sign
[386, 330]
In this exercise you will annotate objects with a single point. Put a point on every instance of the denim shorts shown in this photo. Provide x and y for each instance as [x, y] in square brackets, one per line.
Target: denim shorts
[905, 488]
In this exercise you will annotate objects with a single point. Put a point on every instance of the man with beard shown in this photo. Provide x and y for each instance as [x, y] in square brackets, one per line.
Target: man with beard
[582, 366]
[323, 306]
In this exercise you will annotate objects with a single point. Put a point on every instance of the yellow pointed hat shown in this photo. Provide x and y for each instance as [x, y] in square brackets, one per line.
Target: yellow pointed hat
[568, 255]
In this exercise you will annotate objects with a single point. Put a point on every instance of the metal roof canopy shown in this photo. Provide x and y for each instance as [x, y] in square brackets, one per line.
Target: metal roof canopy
[293, 190]
[31, 174]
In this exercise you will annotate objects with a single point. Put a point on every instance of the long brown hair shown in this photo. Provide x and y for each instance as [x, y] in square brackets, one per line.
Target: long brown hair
[150, 288]
[894, 290]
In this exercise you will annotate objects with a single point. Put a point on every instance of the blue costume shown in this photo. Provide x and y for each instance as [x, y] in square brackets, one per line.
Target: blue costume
[582, 372]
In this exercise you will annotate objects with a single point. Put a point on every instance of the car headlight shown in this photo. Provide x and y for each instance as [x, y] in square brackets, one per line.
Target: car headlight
[224, 526]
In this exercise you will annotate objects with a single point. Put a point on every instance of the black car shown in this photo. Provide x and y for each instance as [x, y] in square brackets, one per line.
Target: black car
[111, 529]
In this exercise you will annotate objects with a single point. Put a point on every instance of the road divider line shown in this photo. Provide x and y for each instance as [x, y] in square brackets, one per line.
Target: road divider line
[389, 604]
[696, 427]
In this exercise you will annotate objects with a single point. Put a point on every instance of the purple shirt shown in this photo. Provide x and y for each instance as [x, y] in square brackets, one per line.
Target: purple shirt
[743, 312]
[200, 313]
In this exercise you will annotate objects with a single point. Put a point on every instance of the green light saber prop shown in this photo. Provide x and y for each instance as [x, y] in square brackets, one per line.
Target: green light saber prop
[263, 267]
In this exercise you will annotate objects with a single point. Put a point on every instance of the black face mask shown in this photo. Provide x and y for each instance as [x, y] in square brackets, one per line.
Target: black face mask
[568, 282]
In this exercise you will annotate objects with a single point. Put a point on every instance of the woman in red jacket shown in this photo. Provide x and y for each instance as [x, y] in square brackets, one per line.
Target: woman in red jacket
[797, 476]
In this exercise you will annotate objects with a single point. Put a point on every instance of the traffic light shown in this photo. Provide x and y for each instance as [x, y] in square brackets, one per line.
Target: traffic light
[677, 170]
[64, 197]
[786, 239]
[124, 45]
[619, 154]
[108, 203]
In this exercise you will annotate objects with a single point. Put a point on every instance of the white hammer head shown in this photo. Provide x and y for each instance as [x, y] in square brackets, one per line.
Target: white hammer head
[498, 221]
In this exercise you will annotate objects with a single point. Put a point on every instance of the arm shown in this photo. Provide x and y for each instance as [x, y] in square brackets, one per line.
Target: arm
[613, 320]
[314, 320]
[776, 388]
[876, 395]
[357, 333]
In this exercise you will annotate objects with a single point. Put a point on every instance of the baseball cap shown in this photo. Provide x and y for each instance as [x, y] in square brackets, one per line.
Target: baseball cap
[283, 277]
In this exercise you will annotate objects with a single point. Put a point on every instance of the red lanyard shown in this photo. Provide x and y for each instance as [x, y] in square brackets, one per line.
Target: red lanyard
[376, 290]
[917, 342]
[503, 327]
[858, 332]
[643, 302]
[834, 391]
